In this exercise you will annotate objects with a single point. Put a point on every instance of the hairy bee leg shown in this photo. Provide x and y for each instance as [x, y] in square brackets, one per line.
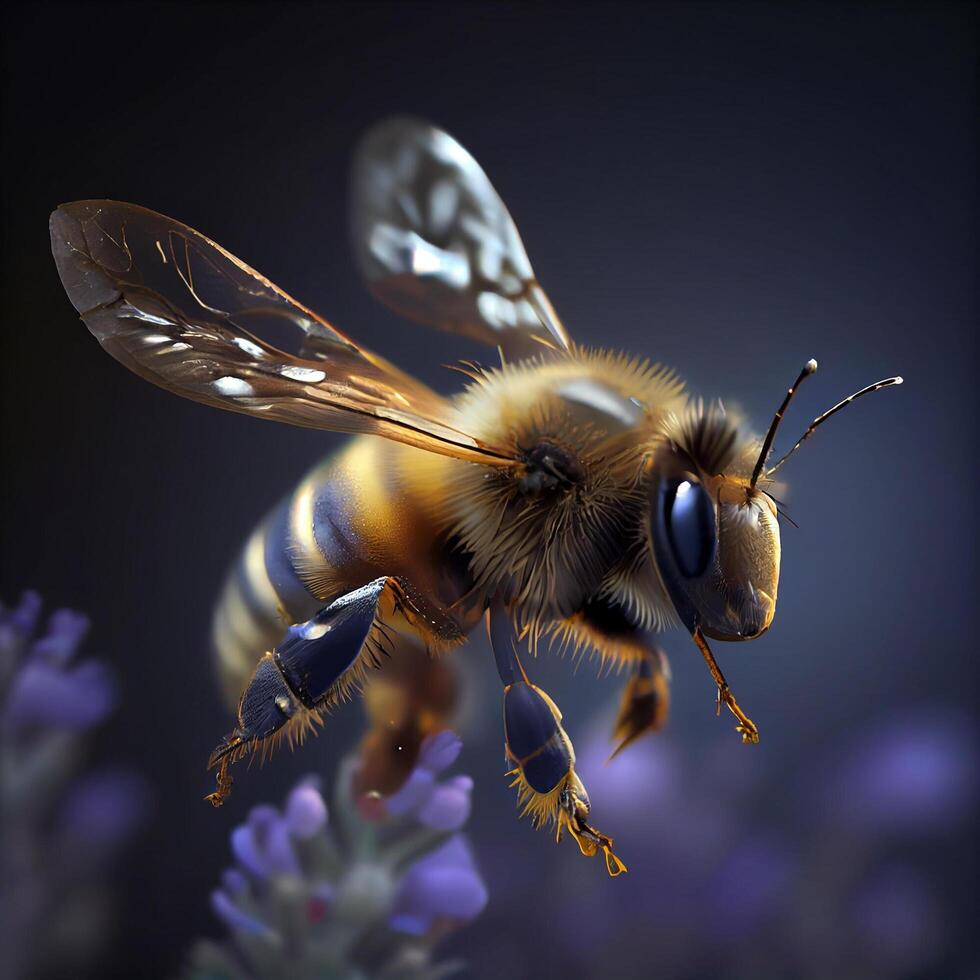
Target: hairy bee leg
[645, 702]
[745, 727]
[541, 752]
[316, 663]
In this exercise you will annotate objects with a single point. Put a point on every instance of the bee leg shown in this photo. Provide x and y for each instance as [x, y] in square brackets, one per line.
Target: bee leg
[745, 727]
[645, 702]
[541, 752]
[317, 664]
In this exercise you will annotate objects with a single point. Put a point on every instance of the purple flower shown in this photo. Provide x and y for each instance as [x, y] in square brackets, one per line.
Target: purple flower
[441, 806]
[66, 630]
[46, 689]
[50, 697]
[414, 792]
[234, 882]
[306, 813]
[442, 887]
[439, 751]
[262, 846]
[60, 830]
[448, 808]
[22, 620]
[301, 889]
[233, 916]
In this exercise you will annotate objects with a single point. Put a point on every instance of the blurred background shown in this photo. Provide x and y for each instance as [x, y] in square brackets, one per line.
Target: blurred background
[727, 188]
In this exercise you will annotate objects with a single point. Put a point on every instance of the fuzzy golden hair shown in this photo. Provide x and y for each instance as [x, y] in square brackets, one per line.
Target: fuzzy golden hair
[548, 553]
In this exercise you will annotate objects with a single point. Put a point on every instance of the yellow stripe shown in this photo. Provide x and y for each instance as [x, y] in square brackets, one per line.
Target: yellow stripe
[305, 553]
[270, 605]
[235, 664]
[231, 656]
[242, 622]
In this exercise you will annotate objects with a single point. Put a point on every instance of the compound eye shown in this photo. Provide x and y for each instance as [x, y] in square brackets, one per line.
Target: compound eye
[690, 520]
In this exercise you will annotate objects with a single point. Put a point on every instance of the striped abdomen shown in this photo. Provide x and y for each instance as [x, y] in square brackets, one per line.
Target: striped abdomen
[350, 520]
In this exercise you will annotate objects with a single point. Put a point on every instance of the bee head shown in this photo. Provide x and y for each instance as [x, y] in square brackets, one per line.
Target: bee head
[715, 537]
[714, 532]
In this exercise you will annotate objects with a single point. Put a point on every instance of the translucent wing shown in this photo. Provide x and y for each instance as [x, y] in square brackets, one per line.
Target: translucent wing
[436, 243]
[188, 316]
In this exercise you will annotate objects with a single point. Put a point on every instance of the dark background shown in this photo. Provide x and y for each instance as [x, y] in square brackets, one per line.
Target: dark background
[727, 188]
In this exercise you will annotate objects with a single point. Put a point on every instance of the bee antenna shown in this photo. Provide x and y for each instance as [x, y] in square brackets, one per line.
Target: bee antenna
[820, 419]
[760, 463]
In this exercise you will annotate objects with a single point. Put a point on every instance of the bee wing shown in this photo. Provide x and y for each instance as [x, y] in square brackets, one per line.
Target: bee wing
[185, 314]
[435, 242]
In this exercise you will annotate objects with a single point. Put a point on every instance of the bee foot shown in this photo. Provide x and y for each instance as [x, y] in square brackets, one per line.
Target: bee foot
[590, 840]
[224, 782]
[745, 727]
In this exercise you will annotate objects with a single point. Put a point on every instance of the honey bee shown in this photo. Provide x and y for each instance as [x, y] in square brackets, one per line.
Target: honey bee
[569, 496]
